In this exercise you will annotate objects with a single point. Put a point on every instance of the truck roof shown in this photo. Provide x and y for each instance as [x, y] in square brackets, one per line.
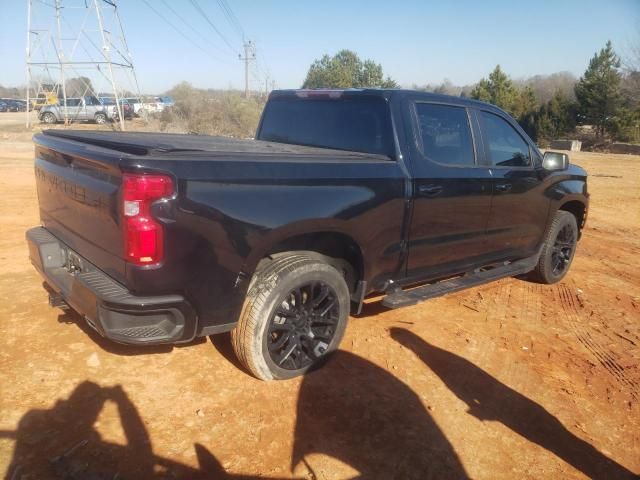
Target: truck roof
[383, 92]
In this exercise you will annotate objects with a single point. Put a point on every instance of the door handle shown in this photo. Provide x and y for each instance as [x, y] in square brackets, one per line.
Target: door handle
[430, 190]
[503, 187]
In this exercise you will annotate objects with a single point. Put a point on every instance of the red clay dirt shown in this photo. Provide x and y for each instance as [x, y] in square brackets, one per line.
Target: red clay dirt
[509, 380]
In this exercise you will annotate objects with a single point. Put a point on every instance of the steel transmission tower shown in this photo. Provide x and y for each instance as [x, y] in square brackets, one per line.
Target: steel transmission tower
[77, 48]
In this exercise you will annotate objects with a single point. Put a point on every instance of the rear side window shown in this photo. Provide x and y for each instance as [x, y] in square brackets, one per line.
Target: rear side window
[360, 124]
[507, 148]
[445, 133]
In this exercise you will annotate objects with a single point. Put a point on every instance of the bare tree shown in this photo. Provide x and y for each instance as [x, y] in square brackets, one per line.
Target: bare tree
[630, 87]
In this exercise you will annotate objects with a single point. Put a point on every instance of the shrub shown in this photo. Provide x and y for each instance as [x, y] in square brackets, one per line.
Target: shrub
[210, 112]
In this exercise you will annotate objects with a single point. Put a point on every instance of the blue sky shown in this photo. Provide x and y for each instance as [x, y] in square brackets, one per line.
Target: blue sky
[417, 42]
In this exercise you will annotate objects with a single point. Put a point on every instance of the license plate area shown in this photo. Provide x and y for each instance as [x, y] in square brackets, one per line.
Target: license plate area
[74, 262]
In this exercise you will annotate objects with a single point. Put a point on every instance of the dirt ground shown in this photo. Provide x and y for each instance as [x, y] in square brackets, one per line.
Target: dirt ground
[509, 380]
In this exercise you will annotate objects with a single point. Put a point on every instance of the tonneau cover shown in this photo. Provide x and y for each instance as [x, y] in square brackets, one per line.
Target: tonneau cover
[148, 143]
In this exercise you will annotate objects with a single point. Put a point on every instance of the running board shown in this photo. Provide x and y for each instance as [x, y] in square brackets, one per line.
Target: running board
[403, 298]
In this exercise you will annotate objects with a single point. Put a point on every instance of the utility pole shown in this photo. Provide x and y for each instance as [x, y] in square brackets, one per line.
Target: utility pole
[28, 123]
[269, 84]
[249, 55]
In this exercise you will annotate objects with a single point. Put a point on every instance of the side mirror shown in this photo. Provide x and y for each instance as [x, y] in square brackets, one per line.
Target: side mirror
[555, 161]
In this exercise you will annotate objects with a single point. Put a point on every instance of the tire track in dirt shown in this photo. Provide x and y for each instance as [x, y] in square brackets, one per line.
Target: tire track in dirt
[530, 304]
[500, 303]
[569, 304]
[509, 299]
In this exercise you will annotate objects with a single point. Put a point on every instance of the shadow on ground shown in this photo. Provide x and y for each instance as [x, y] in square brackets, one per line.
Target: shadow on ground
[350, 410]
[62, 442]
[490, 400]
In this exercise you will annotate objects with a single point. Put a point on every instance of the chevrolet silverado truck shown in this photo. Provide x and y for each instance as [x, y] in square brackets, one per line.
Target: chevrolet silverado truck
[158, 238]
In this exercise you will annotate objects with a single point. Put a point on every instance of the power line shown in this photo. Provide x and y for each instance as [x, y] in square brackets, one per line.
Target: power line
[231, 17]
[190, 26]
[204, 15]
[181, 33]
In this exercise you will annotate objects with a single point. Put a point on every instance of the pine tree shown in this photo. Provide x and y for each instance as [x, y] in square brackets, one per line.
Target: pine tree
[556, 118]
[499, 90]
[346, 70]
[598, 90]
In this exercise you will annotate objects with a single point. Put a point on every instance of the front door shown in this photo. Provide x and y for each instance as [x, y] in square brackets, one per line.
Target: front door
[451, 193]
[519, 206]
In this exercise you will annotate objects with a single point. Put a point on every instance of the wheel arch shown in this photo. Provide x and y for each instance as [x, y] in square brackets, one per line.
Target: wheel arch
[337, 248]
[578, 209]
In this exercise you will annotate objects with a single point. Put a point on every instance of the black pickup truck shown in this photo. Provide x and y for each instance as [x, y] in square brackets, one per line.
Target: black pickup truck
[158, 238]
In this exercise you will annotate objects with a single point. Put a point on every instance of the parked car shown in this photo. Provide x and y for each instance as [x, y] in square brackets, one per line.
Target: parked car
[21, 105]
[151, 105]
[136, 104]
[166, 101]
[158, 238]
[127, 109]
[87, 108]
[4, 107]
[110, 104]
[12, 105]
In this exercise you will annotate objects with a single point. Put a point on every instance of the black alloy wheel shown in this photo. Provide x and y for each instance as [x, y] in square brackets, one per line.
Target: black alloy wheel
[558, 249]
[303, 325]
[563, 249]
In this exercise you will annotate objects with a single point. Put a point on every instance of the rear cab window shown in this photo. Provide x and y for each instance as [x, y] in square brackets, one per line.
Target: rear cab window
[357, 123]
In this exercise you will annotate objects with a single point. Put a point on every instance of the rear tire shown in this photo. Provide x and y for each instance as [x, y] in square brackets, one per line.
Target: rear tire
[558, 250]
[294, 316]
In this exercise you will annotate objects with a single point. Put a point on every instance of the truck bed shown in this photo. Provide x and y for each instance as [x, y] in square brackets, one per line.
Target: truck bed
[159, 144]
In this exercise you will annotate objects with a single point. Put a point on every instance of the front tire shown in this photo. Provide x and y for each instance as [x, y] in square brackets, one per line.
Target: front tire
[294, 316]
[100, 118]
[49, 118]
[558, 250]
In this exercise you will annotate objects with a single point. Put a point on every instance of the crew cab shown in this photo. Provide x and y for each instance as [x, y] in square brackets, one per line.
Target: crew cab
[79, 109]
[159, 238]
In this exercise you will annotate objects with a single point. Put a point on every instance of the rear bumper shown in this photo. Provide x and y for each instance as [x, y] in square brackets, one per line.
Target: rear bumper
[106, 305]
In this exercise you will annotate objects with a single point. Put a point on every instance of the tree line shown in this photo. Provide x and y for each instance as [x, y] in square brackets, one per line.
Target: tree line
[606, 96]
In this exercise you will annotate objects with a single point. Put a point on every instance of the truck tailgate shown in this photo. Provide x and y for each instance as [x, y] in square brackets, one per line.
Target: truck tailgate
[78, 192]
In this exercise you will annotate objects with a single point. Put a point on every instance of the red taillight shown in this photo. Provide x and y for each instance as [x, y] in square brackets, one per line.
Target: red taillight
[143, 236]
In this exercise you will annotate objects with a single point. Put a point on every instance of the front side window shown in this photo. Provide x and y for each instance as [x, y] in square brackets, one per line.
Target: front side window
[445, 133]
[506, 147]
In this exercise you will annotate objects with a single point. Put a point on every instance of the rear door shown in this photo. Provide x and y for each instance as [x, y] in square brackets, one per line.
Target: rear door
[90, 106]
[519, 206]
[72, 109]
[451, 192]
